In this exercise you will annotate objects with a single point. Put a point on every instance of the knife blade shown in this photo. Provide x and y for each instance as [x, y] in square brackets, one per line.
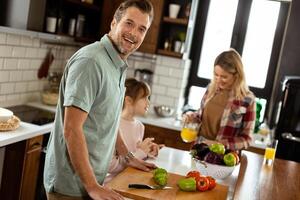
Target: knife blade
[151, 187]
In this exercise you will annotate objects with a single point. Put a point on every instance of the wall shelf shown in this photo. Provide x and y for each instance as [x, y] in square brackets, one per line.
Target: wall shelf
[179, 21]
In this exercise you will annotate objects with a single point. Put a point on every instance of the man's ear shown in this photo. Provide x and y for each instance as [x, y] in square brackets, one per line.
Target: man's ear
[113, 23]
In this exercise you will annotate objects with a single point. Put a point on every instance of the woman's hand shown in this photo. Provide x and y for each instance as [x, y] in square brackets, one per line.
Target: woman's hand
[189, 117]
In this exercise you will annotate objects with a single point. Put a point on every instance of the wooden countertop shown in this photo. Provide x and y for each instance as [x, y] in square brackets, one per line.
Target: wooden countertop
[259, 181]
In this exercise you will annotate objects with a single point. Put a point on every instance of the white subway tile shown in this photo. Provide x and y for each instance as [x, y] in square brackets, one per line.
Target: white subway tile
[26, 41]
[177, 73]
[163, 100]
[36, 42]
[13, 39]
[13, 97]
[167, 81]
[33, 86]
[173, 92]
[42, 53]
[2, 98]
[29, 75]
[7, 88]
[2, 38]
[158, 89]
[10, 63]
[15, 76]
[142, 65]
[130, 73]
[21, 87]
[1, 63]
[31, 52]
[171, 62]
[5, 51]
[161, 70]
[155, 79]
[4, 76]
[24, 64]
[19, 52]
[35, 63]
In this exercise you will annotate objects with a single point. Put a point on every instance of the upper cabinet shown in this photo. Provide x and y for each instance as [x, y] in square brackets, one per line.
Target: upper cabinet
[77, 18]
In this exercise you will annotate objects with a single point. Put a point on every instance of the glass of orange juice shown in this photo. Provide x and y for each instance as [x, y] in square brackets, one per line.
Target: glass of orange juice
[270, 152]
[189, 132]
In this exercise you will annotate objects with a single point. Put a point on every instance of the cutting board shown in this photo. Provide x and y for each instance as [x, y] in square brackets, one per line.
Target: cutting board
[131, 175]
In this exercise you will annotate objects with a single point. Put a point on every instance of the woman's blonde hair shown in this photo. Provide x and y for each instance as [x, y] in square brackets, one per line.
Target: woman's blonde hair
[231, 62]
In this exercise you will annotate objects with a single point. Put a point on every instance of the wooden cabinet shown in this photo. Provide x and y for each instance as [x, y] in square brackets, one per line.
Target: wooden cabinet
[169, 137]
[20, 169]
[76, 18]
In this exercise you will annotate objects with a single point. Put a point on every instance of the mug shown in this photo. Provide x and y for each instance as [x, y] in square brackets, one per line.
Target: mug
[51, 24]
[173, 10]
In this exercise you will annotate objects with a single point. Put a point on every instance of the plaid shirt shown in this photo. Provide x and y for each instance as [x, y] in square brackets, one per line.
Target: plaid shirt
[237, 122]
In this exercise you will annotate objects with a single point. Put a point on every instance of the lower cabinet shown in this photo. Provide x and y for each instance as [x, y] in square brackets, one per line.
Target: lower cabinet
[169, 137]
[20, 169]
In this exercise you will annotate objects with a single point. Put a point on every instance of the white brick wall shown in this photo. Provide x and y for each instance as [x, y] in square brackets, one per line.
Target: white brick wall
[20, 58]
[169, 78]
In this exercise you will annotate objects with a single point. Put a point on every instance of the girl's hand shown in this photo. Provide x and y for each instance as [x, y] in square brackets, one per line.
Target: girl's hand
[146, 145]
[154, 150]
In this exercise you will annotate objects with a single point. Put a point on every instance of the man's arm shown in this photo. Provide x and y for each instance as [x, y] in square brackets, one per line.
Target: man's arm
[78, 152]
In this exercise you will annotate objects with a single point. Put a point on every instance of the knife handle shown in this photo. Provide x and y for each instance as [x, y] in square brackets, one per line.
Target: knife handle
[138, 186]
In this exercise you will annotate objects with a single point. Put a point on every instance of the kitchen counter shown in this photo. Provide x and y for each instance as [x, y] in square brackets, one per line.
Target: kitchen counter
[252, 179]
[180, 162]
[24, 131]
[257, 180]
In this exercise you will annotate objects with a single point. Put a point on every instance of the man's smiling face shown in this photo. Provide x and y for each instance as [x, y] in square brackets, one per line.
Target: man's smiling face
[129, 33]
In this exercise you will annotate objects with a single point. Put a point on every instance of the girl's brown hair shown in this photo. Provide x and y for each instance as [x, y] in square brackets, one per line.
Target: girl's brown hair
[136, 89]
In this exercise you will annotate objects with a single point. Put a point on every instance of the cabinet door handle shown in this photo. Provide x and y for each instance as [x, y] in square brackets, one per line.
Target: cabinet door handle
[289, 136]
[35, 145]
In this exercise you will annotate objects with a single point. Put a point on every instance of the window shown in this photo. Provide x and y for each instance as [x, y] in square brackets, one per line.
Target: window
[254, 28]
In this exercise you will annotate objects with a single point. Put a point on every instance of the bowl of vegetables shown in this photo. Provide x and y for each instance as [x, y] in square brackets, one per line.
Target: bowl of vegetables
[214, 160]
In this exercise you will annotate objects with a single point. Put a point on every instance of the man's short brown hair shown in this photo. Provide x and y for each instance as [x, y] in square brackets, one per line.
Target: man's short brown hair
[145, 6]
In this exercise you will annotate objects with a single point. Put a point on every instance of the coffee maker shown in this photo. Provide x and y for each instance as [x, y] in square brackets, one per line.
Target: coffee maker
[144, 75]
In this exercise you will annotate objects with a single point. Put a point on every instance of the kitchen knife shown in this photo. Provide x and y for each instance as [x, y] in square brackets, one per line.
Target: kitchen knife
[151, 187]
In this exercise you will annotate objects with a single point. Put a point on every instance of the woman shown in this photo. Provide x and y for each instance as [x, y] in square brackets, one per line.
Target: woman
[227, 110]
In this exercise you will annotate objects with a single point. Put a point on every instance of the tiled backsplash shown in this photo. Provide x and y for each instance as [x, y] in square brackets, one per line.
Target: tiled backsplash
[21, 57]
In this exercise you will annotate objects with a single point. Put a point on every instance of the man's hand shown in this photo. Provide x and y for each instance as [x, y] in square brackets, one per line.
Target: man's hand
[103, 193]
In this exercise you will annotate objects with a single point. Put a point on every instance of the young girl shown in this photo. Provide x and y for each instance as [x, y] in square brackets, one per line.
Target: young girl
[136, 103]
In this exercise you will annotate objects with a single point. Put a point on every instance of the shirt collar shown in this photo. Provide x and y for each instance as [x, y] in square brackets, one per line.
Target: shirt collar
[113, 53]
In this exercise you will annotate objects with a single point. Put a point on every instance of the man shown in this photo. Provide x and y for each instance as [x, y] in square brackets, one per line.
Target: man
[91, 97]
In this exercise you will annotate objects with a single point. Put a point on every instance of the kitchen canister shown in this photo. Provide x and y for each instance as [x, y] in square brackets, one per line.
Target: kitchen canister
[51, 24]
[80, 25]
[71, 28]
[173, 10]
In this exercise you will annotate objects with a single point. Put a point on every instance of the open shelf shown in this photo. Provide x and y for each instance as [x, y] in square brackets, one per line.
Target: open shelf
[179, 21]
[169, 53]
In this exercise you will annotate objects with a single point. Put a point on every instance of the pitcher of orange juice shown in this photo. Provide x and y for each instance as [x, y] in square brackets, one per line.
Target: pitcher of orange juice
[189, 131]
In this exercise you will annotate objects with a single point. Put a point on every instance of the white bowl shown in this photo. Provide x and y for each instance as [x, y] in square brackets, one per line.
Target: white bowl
[215, 171]
[5, 114]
